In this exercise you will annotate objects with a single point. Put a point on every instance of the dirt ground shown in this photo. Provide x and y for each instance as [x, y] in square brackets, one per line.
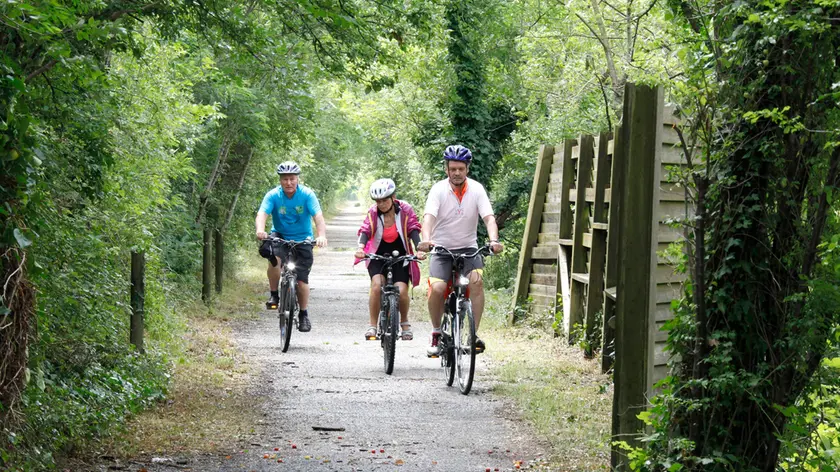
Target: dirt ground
[331, 378]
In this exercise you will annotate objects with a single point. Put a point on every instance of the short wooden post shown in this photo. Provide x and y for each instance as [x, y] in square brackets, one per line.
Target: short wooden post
[535, 210]
[138, 296]
[206, 265]
[220, 259]
[636, 285]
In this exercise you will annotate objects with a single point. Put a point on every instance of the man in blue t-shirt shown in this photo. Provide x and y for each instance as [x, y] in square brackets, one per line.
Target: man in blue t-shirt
[292, 207]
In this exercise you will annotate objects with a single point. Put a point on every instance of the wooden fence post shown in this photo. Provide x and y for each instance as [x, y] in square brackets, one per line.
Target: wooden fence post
[220, 259]
[636, 285]
[613, 239]
[580, 274]
[206, 263]
[564, 250]
[138, 296]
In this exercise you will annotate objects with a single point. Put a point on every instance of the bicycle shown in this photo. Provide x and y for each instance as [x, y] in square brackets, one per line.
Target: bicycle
[458, 323]
[389, 306]
[287, 306]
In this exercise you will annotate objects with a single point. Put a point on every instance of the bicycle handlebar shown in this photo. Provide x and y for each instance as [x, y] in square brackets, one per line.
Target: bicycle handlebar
[290, 243]
[440, 250]
[391, 260]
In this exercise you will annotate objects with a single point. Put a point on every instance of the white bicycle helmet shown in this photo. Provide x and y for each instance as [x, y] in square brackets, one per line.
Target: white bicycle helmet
[288, 167]
[382, 188]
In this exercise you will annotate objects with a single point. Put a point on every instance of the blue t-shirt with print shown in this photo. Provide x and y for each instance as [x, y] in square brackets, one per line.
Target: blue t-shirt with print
[291, 217]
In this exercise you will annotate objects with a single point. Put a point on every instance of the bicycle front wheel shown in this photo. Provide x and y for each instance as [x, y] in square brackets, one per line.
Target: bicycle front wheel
[287, 314]
[390, 332]
[464, 347]
[447, 352]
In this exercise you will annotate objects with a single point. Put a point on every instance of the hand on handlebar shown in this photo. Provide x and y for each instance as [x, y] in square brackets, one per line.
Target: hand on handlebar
[360, 253]
[424, 246]
[421, 256]
[496, 247]
[262, 235]
[321, 241]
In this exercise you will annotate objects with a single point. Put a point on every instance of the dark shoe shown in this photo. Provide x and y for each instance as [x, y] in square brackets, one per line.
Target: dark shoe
[272, 302]
[433, 351]
[479, 345]
[304, 326]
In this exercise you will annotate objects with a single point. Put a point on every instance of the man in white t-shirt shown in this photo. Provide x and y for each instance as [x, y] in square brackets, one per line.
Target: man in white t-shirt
[451, 218]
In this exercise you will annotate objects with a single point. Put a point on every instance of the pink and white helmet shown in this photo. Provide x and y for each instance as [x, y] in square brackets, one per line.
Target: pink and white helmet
[382, 188]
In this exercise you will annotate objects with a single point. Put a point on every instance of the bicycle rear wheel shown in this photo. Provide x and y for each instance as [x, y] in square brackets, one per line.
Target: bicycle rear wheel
[287, 313]
[464, 347]
[390, 332]
[447, 353]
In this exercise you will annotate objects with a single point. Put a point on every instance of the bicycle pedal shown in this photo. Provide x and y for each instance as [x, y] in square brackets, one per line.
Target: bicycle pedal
[271, 306]
[434, 357]
[371, 338]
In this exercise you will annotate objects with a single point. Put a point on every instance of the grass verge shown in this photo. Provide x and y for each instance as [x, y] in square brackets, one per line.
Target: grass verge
[562, 395]
[207, 406]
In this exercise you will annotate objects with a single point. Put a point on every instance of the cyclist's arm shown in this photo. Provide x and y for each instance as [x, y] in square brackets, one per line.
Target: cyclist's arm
[321, 228]
[493, 233]
[428, 223]
[415, 237]
[262, 217]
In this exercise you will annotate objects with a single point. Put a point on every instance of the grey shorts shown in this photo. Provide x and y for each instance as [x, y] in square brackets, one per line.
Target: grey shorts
[440, 267]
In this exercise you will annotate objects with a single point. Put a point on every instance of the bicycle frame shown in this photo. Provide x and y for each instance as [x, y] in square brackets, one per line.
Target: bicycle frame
[454, 316]
[387, 326]
[389, 287]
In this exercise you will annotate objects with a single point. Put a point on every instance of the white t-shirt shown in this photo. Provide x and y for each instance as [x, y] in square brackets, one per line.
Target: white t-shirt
[457, 221]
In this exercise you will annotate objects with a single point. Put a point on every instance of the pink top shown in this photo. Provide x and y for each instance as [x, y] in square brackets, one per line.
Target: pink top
[390, 234]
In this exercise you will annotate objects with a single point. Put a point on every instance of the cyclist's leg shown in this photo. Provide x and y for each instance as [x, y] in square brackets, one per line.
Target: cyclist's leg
[274, 264]
[440, 268]
[474, 269]
[303, 263]
[477, 295]
[375, 294]
[404, 301]
[273, 276]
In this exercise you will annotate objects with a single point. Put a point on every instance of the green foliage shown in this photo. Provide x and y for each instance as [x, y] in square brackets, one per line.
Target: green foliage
[749, 391]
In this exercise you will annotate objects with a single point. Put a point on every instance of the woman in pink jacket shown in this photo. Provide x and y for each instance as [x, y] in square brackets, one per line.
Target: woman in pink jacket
[388, 226]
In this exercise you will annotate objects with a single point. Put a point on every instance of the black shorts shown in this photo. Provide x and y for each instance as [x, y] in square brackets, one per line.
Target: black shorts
[302, 256]
[399, 272]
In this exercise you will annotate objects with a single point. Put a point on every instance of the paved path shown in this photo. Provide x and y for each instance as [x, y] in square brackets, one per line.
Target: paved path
[330, 377]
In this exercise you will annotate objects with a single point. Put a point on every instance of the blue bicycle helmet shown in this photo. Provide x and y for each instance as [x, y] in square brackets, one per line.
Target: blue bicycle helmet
[457, 153]
[288, 167]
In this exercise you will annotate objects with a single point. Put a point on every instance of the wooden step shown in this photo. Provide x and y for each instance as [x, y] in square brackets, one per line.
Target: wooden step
[544, 268]
[566, 242]
[544, 279]
[550, 228]
[552, 207]
[610, 292]
[545, 252]
[548, 238]
[601, 226]
[544, 290]
[580, 277]
[587, 240]
[543, 301]
[551, 217]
